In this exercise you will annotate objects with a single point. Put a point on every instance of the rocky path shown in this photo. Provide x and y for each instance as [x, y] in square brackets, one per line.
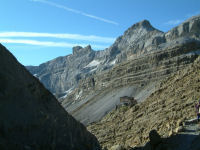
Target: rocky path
[191, 132]
[192, 127]
[188, 138]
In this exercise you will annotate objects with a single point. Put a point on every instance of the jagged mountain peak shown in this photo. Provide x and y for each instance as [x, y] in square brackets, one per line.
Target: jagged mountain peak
[78, 50]
[189, 29]
[140, 37]
[138, 30]
[144, 24]
[193, 18]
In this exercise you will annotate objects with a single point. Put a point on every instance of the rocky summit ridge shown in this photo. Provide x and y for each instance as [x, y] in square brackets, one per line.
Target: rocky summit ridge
[134, 65]
[63, 73]
[30, 116]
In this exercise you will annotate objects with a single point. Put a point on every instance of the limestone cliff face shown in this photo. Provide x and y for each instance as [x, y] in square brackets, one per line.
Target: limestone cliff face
[135, 40]
[188, 29]
[139, 77]
[63, 73]
[139, 69]
[137, 61]
[31, 117]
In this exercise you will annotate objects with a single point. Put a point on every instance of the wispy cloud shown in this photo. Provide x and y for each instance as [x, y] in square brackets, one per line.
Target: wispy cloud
[46, 43]
[192, 14]
[178, 21]
[174, 22]
[13, 37]
[76, 11]
[91, 38]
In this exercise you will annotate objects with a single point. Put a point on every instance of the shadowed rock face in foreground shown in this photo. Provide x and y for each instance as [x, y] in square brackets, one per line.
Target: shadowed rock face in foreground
[30, 116]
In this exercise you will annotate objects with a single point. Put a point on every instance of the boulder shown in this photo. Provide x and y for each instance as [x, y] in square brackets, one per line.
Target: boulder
[155, 138]
[117, 147]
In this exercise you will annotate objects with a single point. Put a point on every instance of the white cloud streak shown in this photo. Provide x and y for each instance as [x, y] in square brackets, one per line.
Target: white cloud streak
[192, 14]
[91, 38]
[76, 11]
[174, 22]
[45, 43]
[178, 21]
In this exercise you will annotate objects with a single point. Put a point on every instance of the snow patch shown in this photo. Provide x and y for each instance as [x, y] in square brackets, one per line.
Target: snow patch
[79, 95]
[93, 64]
[35, 75]
[67, 93]
[197, 52]
[93, 70]
[113, 62]
[191, 120]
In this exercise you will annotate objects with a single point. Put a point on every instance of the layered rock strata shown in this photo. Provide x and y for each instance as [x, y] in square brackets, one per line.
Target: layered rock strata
[165, 110]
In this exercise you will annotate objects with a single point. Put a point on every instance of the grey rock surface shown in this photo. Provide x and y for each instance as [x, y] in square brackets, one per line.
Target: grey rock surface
[30, 116]
[96, 96]
[138, 75]
[89, 85]
[64, 73]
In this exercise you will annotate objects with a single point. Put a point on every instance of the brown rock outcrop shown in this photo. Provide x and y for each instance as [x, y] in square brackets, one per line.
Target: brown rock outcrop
[164, 110]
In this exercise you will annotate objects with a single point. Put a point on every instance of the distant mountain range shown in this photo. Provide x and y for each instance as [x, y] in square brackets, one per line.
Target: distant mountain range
[89, 83]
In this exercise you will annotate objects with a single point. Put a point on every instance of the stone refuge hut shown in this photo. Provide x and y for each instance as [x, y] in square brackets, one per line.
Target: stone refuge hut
[128, 101]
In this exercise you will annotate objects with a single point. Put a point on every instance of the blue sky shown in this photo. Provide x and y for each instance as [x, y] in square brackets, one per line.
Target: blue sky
[36, 31]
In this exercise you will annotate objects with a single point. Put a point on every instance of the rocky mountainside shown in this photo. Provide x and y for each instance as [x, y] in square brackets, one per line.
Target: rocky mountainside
[165, 110]
[30, 116]
[186, 139]
[92, 82]
[137, 77]
[63, 74]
